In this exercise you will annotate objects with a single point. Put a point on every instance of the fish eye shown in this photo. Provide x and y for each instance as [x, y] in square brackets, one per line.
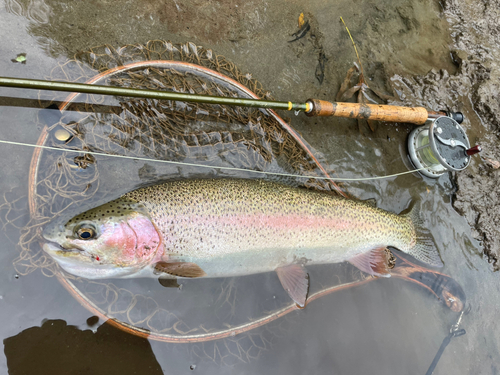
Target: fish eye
[85, 233]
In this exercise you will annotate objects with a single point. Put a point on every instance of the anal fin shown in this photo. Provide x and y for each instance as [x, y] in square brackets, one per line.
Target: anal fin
[180, 269]
[374, 262]
[295, 281]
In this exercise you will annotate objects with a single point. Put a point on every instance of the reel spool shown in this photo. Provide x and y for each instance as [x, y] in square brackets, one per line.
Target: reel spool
[440, 145]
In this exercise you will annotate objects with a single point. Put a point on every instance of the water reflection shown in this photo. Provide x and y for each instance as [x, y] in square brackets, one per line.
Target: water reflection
[59, 348]
[34, 10]
[51, 107]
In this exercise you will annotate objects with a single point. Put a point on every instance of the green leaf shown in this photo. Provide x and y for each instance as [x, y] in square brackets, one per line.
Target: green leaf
[21, 57]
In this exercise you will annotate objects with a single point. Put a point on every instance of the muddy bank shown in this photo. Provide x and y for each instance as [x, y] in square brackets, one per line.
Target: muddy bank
[474, 90]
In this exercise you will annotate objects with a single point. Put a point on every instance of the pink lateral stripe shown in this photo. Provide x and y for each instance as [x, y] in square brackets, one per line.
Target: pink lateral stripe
[265, 221]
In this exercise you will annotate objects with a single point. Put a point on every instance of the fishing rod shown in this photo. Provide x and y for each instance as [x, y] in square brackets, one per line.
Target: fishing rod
[440, 145]
[312, 107]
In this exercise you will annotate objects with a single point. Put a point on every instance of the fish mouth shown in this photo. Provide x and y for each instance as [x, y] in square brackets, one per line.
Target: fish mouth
[57, 250]
[76, 262]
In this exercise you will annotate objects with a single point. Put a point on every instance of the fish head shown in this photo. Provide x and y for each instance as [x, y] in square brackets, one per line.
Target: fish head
[116, 239]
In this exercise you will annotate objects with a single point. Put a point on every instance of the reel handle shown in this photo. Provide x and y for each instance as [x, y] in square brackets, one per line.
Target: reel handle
[390, 113]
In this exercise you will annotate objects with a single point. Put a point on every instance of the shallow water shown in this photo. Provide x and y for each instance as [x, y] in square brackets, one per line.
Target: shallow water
[387, 326]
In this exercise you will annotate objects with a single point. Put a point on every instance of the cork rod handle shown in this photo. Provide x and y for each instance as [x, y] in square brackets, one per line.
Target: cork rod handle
[390, 113]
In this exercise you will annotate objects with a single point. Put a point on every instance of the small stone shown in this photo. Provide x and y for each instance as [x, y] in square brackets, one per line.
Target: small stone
[92, 321]
[62, 135]
[493, 163]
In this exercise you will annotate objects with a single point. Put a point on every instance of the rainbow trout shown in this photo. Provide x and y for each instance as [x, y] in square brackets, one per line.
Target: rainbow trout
[231, 227]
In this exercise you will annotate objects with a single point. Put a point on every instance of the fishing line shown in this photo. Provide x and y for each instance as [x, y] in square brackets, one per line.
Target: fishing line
[208, 166]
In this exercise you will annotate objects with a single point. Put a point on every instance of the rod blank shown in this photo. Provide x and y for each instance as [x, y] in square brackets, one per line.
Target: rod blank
[151, 94]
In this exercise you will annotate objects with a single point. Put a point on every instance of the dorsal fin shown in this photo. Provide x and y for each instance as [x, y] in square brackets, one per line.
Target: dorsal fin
[371, 202]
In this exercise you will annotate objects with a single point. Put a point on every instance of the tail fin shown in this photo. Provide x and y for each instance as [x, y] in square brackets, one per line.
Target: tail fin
[425, 249]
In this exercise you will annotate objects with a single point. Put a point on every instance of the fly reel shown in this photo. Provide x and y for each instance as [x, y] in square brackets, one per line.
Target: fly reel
[440, 145]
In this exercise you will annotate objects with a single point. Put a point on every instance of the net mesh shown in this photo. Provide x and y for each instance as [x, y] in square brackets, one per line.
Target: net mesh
[212, 135]
[206, 134]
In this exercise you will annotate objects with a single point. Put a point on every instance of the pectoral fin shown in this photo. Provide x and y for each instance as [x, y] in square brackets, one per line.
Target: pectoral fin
[180, 269]
[375, 262]
[295, 280]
